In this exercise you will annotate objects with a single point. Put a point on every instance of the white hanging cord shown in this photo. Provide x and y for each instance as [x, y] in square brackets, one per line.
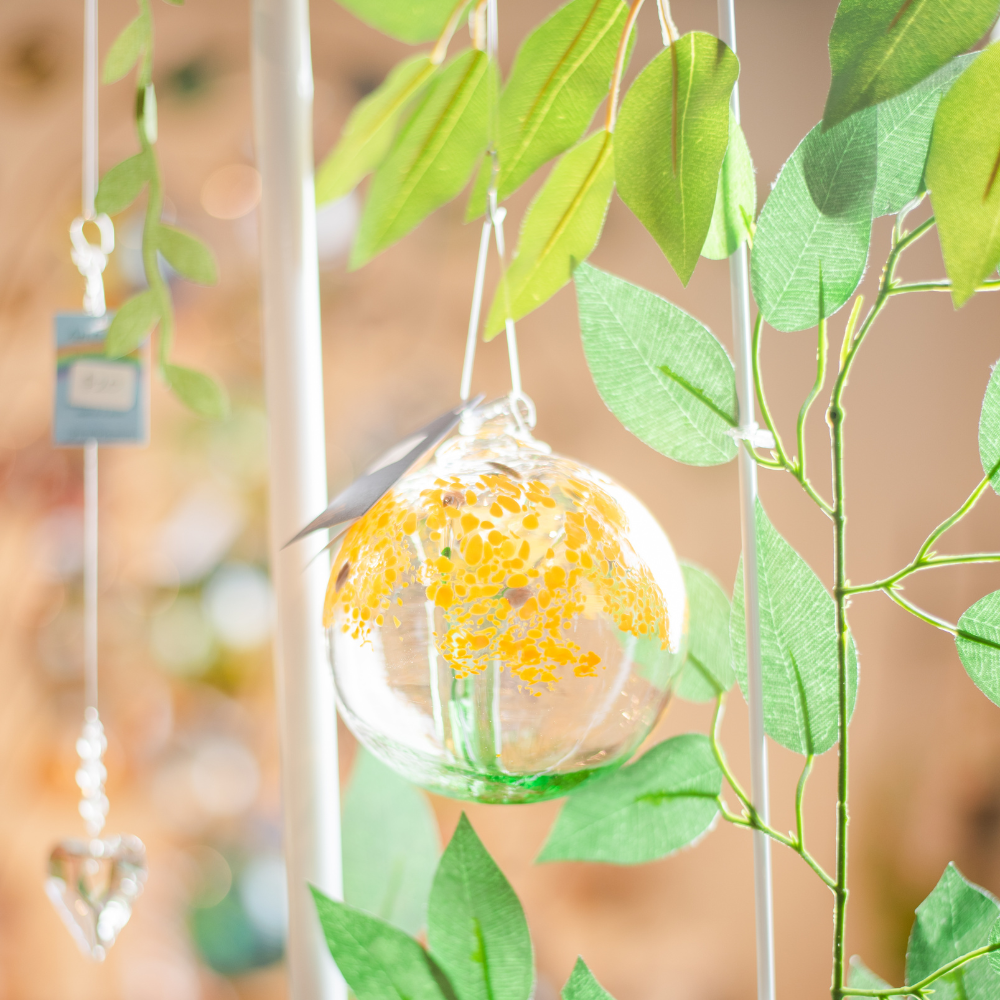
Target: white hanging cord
[91, 259]
[523, 407]
[740, 292]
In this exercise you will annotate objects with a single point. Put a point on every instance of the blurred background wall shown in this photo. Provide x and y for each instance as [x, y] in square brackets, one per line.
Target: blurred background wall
[186, 681]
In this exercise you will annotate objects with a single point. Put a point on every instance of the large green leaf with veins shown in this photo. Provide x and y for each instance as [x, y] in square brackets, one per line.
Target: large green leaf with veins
[408, 20]
[432, 158]
[390, 845]
[904, 137]
[560, 76]
[670, 140]
[962, 173]
[666, 800]
[881, 48]
[978, 643]
[475, 925]
[953, 920]
[661, 373]
[798, 643]
[370, 130]
[708, 670]
[561, 228]
[378, 960]
[816, 221]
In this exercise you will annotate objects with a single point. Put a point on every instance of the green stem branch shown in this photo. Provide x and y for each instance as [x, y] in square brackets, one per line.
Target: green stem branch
[920, 989]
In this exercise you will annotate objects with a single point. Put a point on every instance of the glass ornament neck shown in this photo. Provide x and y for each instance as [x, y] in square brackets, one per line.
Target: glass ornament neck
[500, 427]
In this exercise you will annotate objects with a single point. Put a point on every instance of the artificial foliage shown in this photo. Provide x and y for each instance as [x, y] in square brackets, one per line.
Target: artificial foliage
[184, 253]
[909, 129]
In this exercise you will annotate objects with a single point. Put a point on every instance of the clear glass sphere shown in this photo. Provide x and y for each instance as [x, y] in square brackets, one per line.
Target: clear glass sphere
[505, 623]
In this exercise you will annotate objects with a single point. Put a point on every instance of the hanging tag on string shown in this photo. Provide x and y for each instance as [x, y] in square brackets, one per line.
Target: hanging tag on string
[97, 398]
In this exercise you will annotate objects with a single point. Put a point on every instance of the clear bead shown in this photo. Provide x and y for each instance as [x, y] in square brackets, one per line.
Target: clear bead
[505, 623]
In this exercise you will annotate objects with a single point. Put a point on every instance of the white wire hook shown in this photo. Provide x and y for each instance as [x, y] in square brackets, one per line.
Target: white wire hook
[92, 258]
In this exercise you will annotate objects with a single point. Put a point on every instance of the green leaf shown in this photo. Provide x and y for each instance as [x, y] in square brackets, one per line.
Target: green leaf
[860, 977]
[369, 131]
[904, 136]
[126, 49]
[798, 642]
[989, 429]
[978, 643]
[954, 919]
[708, 671]
[433, 156]
[378, 961]
[816, 220]
[671, 137]
[187, 255]
[123, 183]
[881, 48]
[132, 324]
[735, 198]
[390, 845]
[197, 391]
[582, 985]
[408, 20]
[560, 76]
[666, 800]
[560, 229]
[995, 955]
[962, 173]
[475, 925]
[661, 373]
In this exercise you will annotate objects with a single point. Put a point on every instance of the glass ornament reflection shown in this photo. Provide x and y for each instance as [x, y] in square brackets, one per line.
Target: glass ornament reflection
[504, 623]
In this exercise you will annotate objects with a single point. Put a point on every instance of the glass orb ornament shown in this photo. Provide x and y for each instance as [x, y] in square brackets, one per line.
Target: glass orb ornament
[504, 623]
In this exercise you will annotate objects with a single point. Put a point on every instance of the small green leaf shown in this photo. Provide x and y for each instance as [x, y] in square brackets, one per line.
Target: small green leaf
[197, 391]
[187, 255]
[666, 800]
[904, 136]
[132, 324]
[989, 429]
[735, 198]
[433, 156]
[798, 643]
[954, 919]
[661, 373]
[390, 845]
[978, 643]
[708, 670]
[560, 229]
[408, 20]
[378, 961]
[126, 49]
[962, 173]
[123, 183]
[671, 138]
[369, 131]
[860, 977]
[816, 220]
[881, 48]
[582, 985]
[560, 76]
[475, 925]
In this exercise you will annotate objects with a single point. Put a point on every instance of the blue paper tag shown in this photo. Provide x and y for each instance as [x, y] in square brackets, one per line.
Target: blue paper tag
[97, 397]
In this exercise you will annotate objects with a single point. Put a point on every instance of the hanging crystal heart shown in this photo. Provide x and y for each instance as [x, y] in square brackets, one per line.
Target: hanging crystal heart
[93, 884]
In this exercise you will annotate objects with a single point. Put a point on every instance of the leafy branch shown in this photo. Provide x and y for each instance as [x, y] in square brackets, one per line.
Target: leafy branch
[187, 255]
[920, 990]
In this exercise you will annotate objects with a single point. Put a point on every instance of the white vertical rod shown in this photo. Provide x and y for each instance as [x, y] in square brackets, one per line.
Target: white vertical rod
[739, 280]
[90, 574]
[293, 381]
[89, 107]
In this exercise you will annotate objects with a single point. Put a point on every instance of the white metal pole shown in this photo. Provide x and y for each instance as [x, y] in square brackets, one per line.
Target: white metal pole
[739, 280]
[293, 380]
